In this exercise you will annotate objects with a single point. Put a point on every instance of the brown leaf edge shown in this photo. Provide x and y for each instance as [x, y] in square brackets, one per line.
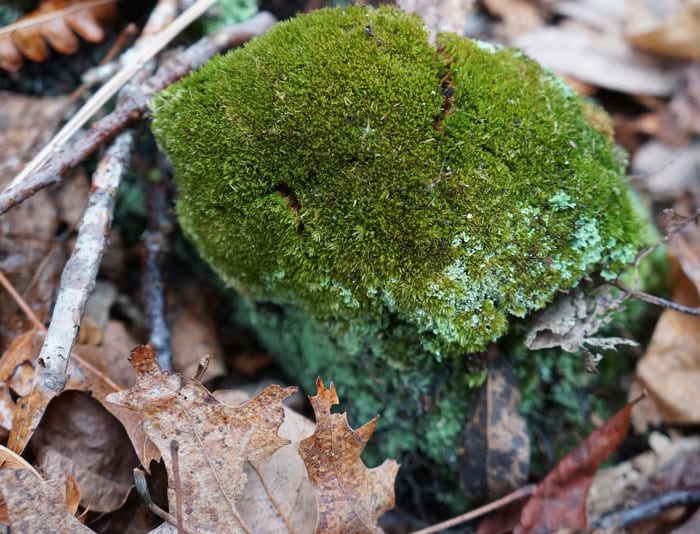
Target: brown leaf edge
[349, 496]
[559, 501]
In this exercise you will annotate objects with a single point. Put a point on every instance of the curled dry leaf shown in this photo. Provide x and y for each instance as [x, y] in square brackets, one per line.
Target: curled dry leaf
[496, 457]
[214, 441]
[57, 23]
[349, 496]
[559, 501]
[573, 319]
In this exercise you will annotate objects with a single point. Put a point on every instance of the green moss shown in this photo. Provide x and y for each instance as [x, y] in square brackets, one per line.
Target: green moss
[386, 207]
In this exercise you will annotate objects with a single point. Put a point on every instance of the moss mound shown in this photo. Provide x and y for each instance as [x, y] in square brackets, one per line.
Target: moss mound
[386, 206]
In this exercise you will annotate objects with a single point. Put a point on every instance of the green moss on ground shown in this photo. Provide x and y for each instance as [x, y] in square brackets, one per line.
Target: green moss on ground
[386, 207]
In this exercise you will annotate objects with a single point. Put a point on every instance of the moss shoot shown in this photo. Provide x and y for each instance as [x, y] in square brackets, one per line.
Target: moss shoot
[387, 206]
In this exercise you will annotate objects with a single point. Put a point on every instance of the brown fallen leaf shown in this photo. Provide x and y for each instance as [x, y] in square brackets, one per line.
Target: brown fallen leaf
[496, 455]
[559, 501]
[11, 460]
[214, 441]
[350, 497]
[670, 368]
[78, 436]
[281, 478]
[670, 28]
[194, 330]
[440, 15]
[54, 23]
[37, 505]
[600, 58]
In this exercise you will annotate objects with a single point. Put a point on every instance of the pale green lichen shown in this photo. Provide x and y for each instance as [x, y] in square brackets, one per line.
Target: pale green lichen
[387, 207]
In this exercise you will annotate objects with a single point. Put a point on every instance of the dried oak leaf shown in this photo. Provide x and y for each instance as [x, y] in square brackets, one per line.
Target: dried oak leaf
[559, 501]
[38, 505]
[214, 440]
[54, 22]
[349, 496]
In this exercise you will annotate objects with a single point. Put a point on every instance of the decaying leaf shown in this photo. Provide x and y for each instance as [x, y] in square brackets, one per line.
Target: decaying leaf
[349, 496]
[278, 494]
[670, 28]
[11, 460]
[670, 368]
[669, 465]
[574, 318]
[37, 505]
[559, 501]
[440, 15]
[54, 23]
[214, 441]
[496, 455]
[600, 58]
[78, 436]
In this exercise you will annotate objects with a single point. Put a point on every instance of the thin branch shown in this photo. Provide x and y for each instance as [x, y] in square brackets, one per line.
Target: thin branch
[145, 496]
[132, 106]
[109, 89]
[80, 272]
[657, 301]
[648, 509]
[675, 230]
[518, 494]
[156, 240]
[21, 303]
[161, 15]
[175, 458]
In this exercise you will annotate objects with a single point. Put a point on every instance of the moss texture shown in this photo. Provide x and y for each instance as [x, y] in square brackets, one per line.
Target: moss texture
[386, 206]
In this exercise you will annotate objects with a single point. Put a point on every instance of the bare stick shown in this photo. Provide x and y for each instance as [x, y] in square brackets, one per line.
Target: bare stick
[518, 494]
[110, 88]
[21, 303]
[142, 491]
[648, 509]
[80, 272]
[162, 14]
[132, 106]
[675, 230]
[657, 301]
[156, 239]
[175, 457]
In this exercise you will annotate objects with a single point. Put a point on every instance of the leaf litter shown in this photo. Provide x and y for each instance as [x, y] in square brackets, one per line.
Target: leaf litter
[590, 34]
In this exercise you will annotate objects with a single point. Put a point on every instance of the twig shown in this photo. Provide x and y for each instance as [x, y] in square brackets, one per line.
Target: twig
[175, 457]
[161, 15]
[132, 107]
[156, 239]
[142, 491]
[80, 272]
[108, 90]
[657, 301]
[675, 230]
[518, 494]
[21, 303]
[648, 509]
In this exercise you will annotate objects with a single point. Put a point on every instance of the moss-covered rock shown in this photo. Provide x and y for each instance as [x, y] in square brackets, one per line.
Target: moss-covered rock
[386, 206]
